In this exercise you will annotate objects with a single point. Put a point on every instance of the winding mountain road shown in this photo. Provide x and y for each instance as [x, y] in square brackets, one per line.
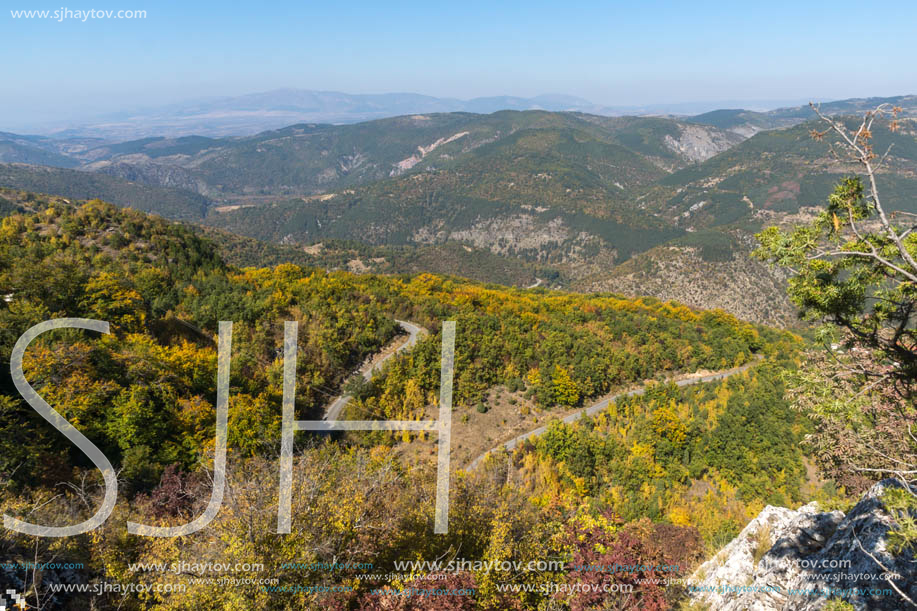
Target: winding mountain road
[337, 406]
[603, 404]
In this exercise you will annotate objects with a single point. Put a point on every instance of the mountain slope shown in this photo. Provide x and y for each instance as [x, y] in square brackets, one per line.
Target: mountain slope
[774, 177]
[710, 270]
[32, 149]
[175, 203]
[639, 205]
[546, 186]
[778, 171]
[307, 159]
[747, 122]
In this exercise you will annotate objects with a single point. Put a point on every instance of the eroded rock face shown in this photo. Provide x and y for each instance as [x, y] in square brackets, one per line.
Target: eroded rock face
[742, 286]
[812, 557]
[698, 143]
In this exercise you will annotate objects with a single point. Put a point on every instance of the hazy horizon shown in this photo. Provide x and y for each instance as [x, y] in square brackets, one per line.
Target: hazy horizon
[616, 55]
[255, 112]
[47, 126]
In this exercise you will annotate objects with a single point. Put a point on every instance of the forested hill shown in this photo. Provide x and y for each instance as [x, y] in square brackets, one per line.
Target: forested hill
[145, 395]
[309, 158]
[638, 205]
[173, 202]
[159, 284]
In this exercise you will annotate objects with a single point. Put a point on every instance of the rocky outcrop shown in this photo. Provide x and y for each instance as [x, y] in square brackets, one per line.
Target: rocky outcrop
[740, 285]
[698, 143]
[802, 559]
[422, 151]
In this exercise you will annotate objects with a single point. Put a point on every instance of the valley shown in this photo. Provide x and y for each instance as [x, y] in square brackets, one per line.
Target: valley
[665, 206]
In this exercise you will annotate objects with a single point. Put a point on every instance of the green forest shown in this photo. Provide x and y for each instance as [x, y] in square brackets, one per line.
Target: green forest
[662, 478]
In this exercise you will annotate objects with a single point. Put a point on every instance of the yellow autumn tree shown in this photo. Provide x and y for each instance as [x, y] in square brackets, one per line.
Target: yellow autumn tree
[563, 387]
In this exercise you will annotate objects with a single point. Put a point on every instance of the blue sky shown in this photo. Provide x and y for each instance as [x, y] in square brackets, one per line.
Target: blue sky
[608, 52]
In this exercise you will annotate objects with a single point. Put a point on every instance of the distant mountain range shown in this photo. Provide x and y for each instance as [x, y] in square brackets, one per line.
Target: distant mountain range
[253, 113]
[665, 206]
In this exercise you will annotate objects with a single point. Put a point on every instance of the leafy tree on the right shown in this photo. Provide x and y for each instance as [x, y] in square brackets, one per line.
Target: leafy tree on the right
[856, 265]
[854, 269]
